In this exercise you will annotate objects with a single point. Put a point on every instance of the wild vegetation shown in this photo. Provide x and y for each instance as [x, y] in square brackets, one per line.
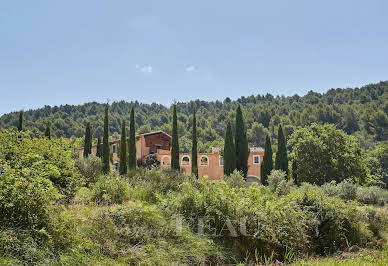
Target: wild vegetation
[323, 193]
[63, 209]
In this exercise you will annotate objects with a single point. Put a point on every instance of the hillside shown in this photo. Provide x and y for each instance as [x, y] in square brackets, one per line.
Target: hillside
[359, 111]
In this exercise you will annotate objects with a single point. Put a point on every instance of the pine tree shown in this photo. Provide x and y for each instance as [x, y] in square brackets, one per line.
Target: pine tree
[194, 150]
[88, 141]
[132, 141]
[105, 143]
[123, 151]
[47, 132]
[174, 142]
[20, 125]
[241, 142]
[267, 164]
[229, 151]
[281, 160]
[99, 153]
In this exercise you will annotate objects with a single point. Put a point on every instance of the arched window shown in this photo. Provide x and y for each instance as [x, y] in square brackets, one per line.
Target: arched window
[185, 160]
[204, 161]
[166, 160]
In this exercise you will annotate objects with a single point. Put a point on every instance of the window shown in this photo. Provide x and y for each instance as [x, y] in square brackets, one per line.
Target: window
[204, 161]
[256, 159]
[185, 161]
[165, 160]
[221, 160]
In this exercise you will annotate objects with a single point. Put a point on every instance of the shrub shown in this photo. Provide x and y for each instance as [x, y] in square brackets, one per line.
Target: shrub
[110, 189]
[140, 233]
[278, 184]
[372, 195]
[347, 189]
[150, 161]
[41, 158]
[235, 180]
[332, 222]
[32, 227]
[90, 168]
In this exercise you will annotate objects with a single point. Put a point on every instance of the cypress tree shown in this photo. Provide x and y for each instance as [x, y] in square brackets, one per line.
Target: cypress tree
[194, 150]
[47, 132]
[88, 141]
[99, 153]
[241, 142]
[281, 160]
[267, 165]
[123, 151]
[20, 125]
[105, 143]
[132, 141]
[174, 142]
[229, 151]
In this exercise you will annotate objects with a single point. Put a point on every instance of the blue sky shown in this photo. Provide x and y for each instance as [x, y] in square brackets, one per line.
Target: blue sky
[71, 52]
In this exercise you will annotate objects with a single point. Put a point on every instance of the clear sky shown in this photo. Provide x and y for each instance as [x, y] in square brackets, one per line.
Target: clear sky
[73, 51]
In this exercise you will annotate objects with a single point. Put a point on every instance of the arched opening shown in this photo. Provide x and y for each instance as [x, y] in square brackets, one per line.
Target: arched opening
[185, 160]
[204, 161]
[166, 160]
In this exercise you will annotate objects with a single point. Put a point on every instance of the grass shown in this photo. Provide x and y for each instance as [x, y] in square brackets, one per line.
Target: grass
[364, 257]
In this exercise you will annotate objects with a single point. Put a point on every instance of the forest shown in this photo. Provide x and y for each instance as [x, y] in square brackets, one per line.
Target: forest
[362, 112]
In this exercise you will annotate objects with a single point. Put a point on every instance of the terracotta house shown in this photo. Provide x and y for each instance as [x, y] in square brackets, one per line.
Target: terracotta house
[210, 165]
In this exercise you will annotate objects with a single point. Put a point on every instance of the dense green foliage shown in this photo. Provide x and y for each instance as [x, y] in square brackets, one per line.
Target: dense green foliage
[241, 143]
[229, 152]
[194, 148]
[378, 162]
[36, 176]
[123, 151]
[105, 143]
[281, 159]
[88, 140]
[174, 142]
[362, 112]
[267, 165]
[132, 160]
[324, 153]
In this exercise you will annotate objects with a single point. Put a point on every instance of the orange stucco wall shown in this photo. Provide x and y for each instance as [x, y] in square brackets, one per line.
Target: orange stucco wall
[213, 170]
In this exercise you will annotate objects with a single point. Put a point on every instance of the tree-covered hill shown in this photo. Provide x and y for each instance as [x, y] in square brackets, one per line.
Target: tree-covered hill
[359, 111]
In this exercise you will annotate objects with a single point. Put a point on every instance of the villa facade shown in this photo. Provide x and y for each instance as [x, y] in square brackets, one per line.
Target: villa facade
[210, 165]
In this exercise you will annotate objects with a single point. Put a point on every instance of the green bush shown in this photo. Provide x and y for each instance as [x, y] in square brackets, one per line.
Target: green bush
[139, 233]
[278, 183]
[109, 189]
[332, 222]
[41, 158]
[90, 168]
[372, 195]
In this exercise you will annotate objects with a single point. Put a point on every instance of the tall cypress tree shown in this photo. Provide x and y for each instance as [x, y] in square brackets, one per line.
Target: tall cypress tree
[241, 142]
[99, 153]
[229, 151]
[47, 132]
[194, 150]
[123, 151]
[174, 142]
[281, 160]
[267, 165]
[20, 125]
[88, 141]
[105, 143]
[132, 141]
